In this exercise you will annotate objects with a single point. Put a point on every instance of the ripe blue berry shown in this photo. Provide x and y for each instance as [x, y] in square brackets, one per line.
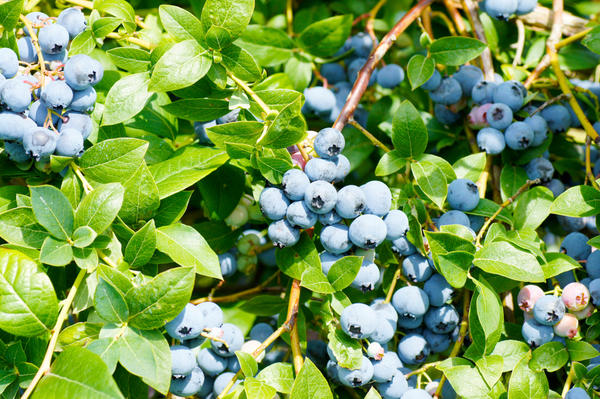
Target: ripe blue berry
[367, 231]
[329, 143]
[438, 290]
[83, 100]
[356, 378]
[36, 18]
[39, 143]
[463, 195]
[73, 21]
[273, 203]
[334, 238]
[362, 44]
[320, 196]
[385, 369]
[53, 39]
[320, 169]
[449, 92]
[234, 338]
[384, 331]
[396, 222]
[468, 76]
[557, 117]
[390, 76]
[16, 95]
[211, 363]
[417, 268]
[445, 115]
[78, 121]
[351, 202]
[182, 360]
[509, 93]
[342, 168]
[318, 100]
[82, 71]
[294, 184]
[491, 141]
[327, 260]
[526, 6]
[69, 143]
[536, 334]
[442, 320]
[454, 217]
[483, 92]
[358, 320]
[299, 215]
[395, 388]
[14, 126]
[379, 198]
[500, 9]
[433, 82]
[16, 152]
[9, 63]
[416, 394]
[283, 234]
[27, 52]
[211, 314]
[333, 72]
[548, 310]
[221, 383]
[499, 116]
[187, 385]
[556, 186]
[410, 302]
[539, 127]
[329, 218]
[519, 136]
[403, 247]
[575, 245]
[187, 325]
[368, 275]
[540, 168]
[228, 264]
[437, 342]
[413, 349]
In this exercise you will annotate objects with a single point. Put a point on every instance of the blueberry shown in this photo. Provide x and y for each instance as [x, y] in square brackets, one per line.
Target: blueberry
[83, 100]
[413, 349]
[54, 61]
[182, 360]
[528, 296]
[73, 20]
[384, 331]
[329, 218]
[222, 381]
[476, 222]
[299, 215]
[77, 121]
[548, 310]
[437, 342]
[187, 325]
[519, 136]
[273, 203]
[526, 6]
[320, 197]
[390, 76]
[379, 198]
[367, 231]
[320, 169]
[82, 71]
[396, 222]
[69, 143]
[571, 223]
[491, 141]
[327, 260]
[594, 289]
[567, 327]
[211, 363]
[187, 385]
[16, 152]
[335, 240]
[39, 143]
[36, 18]
[557, 117]
[433, 82]
[294, 184]
[385, 369]
[416, 394]
[403, 247]
[53, 38]
[318, 100]
[368, 275]
[463, 195]
[358, 320]
[438, 290]
[556, 186]
[14, 126]
[410, 302]
[16, 95]
[229, 117]
[509, 93]
[592, 265]
[211, 314]
[261, 331]
[38, 112]
[483, 92]
[500, 9]
[410, 324]
[234, 338]
[536, 334]
[442, 320]
[351, 202]
[355, 66]
[356, 378]
[449, 92]
[207, 388]
[395, 388]
[447, 390]
[539, 127]
[540, 168]
[342, 168]
[444, 115]
[416, 268]
[57, 95]
[468, 76]
[27, 52]
[228, 264]
[333, 72]
[575, 245]
[329, 143]
[283, 234]
[200, 130]
[9, 63]
[499, 116]
[362, 44]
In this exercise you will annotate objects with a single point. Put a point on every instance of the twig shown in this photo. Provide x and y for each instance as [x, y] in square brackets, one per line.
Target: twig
[82, 3]
[292, 314]
[132, 40]
[303, 152]
[588, 164]
[541, 67]
[426, 16]
[472, 140]
[483, 179]
[553, 100]
[443, 17]
[289, 16]
[237, 295]
[62, 316]
[87, 187]
[368, 135]
[251, 93]
[390, 293]
[365, 73]
[486, 56]
[36, 45]
[422, 369]
[456, 17]
[213, 338]
[506, 203]
[371, 18]
[520, 42]
[573, 38]
[319, 76]
[570, 376]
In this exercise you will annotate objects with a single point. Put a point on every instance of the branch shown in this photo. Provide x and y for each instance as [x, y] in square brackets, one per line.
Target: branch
[458, 21]
[132, 40]
[520, 44]
[64, 313]
[251, 93]
[362, 81]
[372, 14]
[87, 187]
[486, 56]
[36, 45]
[289, 16]
[237, 295]
[368, 135]
[82, 3]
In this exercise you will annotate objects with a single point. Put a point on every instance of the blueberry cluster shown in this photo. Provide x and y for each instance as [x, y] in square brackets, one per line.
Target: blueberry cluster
[204, 362]
[45, 115]
[504, 9]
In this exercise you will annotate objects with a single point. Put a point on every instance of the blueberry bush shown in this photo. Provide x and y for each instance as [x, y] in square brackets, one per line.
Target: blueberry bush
[299, 199]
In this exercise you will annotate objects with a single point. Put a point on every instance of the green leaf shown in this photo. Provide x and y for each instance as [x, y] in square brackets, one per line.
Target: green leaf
[78, 334]
[256, 389]
[470, 167]
[323, 38]
[120, 9]
[452, 255]
[187, 247]
[113, 160]
[126, 98]
[108, 349]
[240, 63]
[56, 252]
[373, 394]
[314, 280]
[489, 315]
[294, 260]
[390, 163]
[181, 24]
[455, 51]
[141, 198]
[310, 383]
[159, 300]
[141, 245]
[77, 373]
[185, 168]
[52, 210]
[83, 236]
[511, 352]
[288, 128]
[224, 21]
[344, 271]
[246, 132]
[464, 378]
[502, 258]
[172, 208]
[247, 363]
[533, 208]
[551, 356]
[487, 208]
[581, 350]
[83, 43]
[511, 179]
[278, 375]
[222, 191]
[299, 72]
[577, 201]
[219, 236]
[273, 168]
[28, 303]
[85, 258]
[269, 46]
[100, 207]
[9, 14]
[110, 303]
[19, 226]
[198, 109]
[347, 351]
[419, 70]
[431, 180]
[490, 368]
[103, 26]
[264, 305]
[525, 383]
[147, 355]
[409, 133]
[557, 263]
[180, 66]
[71, 187]
[131, 59]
